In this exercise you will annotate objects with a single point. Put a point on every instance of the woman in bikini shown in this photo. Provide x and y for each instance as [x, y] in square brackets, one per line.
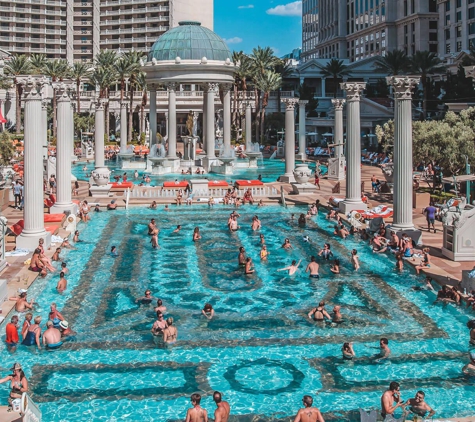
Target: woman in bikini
[286, 244]
[425, 263]
[44, 259]
[170, 333]
[196, 234]
[18, 384]
[319, 313]
[33, 334]
[264, 253]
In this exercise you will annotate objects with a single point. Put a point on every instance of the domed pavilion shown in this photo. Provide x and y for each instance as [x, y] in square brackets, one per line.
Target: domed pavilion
[191, 54]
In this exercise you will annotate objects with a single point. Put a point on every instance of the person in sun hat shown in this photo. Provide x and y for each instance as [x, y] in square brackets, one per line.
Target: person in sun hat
[65, 329]
[19, 384]
[469, 368]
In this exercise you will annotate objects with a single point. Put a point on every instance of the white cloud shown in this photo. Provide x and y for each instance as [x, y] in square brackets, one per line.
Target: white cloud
[249, 6]
[289, 9]
[233, 40]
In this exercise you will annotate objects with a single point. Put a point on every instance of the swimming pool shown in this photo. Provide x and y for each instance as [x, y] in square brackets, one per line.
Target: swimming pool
[269, 170]
[260, 350]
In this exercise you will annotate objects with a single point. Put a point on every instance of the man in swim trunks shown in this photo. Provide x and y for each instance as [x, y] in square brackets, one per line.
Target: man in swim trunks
[22, 303]
[312, 267]
[256, 223]
[52, 336]
[419, 407]
[337, 316]
[221, 414]
[233, 225]
[196, 414]
[62, 283]
[242, 257]
[292, 268]
[385, 351]
[430, 212]
[11, 330]
[391, 396]
[308, 413]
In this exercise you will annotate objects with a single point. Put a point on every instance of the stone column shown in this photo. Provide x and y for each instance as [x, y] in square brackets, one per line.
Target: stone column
[290, 104]
[353, 148]
[324, 87]
[44, 128]
[205, 125]
[227, 119]
[101, 174]
[336, 169]
[302, 155]
[153, 115]
[123, 127]
[402, 89]
[248, 126]
[64, 147]
[34, 227]
[172, 121]
[210, 133]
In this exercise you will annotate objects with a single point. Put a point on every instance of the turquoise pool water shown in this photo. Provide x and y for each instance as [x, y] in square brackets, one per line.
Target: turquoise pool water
[269, 170]
[259, 350]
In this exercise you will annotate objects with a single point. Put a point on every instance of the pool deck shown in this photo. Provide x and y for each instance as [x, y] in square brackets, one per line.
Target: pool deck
[442, 269]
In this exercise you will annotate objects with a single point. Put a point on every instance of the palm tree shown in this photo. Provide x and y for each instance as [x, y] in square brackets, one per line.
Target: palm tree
[79, 71]
[142, 85]
[261, 59]
[122, 71]
[424, 63]
[284, 69]
[57, 70]
[241, 76]
[134, 59]
[269, 81]
[336, 69]
[393, 63]
[16, 66]
[38, 63]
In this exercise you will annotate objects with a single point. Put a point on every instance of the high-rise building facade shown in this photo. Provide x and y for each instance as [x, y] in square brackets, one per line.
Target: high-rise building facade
[357, 29]
[456, 26]
[77, 29]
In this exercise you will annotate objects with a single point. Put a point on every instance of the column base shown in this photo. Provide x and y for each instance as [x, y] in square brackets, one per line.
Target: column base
[414, 234]
[100, 191]
[347, 207]
[336, 169]
[3, 264]
[208, 162]
[301, 157]
[64, 208]
[253, 156]
[299, 188]
[30, 241]
[287, 178]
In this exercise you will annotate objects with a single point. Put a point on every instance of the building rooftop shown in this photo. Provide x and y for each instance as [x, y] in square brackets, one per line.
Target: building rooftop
[189, 41]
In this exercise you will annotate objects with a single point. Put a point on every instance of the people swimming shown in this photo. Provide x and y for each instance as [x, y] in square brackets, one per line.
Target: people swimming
[326, 252]
[292, 268]
[319, 313]
[208, 311]
[312, 267]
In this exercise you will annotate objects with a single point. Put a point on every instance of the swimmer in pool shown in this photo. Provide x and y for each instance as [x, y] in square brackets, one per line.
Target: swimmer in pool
[146, 299]
[347, 351]
[419, 407]
[384, 350]
[62, 283]
[242, 257]
[22, 303]
[151, 226]
[256, 223]
[114, 252]
[208, 311]
[312, 267]
[264, 253]
[354, 259]
[158, 326]
[319, 313]
[170, 333]
[335, 268]
[248, 269]
[160, 307]
[292, 268]
[337, 316]
[196, 234]
[469, 368]
[325, 252]
[178, 228]
[286, 244]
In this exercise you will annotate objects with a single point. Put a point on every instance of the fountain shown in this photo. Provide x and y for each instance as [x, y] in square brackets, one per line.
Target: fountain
[126, 157]
[253, 154]
[157, 157]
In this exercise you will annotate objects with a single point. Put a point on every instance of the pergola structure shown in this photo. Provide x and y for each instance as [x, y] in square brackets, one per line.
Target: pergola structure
[191, 55]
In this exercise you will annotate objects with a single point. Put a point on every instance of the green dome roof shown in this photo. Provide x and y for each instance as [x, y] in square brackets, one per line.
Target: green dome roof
[189, 41]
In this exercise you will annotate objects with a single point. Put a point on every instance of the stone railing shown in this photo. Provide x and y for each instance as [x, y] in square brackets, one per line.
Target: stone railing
[145, 192]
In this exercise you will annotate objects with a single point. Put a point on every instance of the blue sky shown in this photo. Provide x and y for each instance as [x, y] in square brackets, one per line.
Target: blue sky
[245, 24]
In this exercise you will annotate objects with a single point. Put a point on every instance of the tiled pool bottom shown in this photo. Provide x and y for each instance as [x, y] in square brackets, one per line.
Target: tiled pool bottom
[260, 350]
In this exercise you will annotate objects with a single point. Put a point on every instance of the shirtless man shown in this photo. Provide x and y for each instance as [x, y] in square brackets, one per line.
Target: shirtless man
[388, 399]
[196, 414]
[62, 283]
[242, 256]
[233, 225]
[337, 316]
[36, 265]
[52, 336]
[308, 413]
[256, 223]
[248, 269]
[354, 260]
[312, 267]
[221, 414]
[419, 407]
[292, 268]
[385, 351]
[22, 304]
[151, 226]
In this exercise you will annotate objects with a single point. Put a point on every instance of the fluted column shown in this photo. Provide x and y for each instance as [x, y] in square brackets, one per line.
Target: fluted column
[205, 116]
[123, 127]
[227, 119]
[353, 147]
[302, 155]
[336, 168]
[101, 173]
[402, 89]
[34, 227]
[64, 146]
[210, 134]
[44, 128]
[290, 104]
[172, 120]
[248, 126]
[153, 114]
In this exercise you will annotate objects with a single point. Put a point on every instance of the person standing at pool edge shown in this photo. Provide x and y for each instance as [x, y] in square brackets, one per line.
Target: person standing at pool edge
[221, 414]
[308, 413]
[197, 414]
[391, 396]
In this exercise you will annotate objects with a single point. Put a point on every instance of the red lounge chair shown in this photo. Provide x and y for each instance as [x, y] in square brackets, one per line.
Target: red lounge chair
[182, 184]
[54, 218]
[122, 186]
[218, 184]
[248, 183]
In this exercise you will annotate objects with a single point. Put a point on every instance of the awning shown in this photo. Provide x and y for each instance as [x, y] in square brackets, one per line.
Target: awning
[2, 119]
[459, 179]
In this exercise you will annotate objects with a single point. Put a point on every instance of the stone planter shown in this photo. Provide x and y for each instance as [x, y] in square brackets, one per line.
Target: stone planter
[101, 176]
[302, 173]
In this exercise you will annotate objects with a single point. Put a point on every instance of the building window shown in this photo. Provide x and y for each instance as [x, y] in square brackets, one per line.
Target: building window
[447, 34]
[447, 6]
[459, 3]
[447, 48]
[471, 13]
[459, 16]
[432, 36]
[433, 25]
[459, 46]
[471, 28]
[447, 20]
[432, 48]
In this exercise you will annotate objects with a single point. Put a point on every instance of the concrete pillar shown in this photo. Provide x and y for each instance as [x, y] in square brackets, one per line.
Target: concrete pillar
[205, 115]
[302, 155]
[227, 119]
[337, 165]
[402, 88]
[324, 88]
[64, 149]
[172, 120]
[101, 174]
[210, 134]
[153, 115]
[34, 227]
[353, 148]
[248, 126]
[44, 128]
[290, 104]
[123, 127]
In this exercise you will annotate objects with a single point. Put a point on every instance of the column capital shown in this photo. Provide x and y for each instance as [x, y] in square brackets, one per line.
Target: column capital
[171, 86]
[353, 90]
[152, 87]
[303, 103]
[403, 86]
[64, 89]
[338, 103]
[290, 103]
[44, 103]
[211, 86]
[32, 86]
[469, 71]
[123, 104]
[100, 103]
[226, 87]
